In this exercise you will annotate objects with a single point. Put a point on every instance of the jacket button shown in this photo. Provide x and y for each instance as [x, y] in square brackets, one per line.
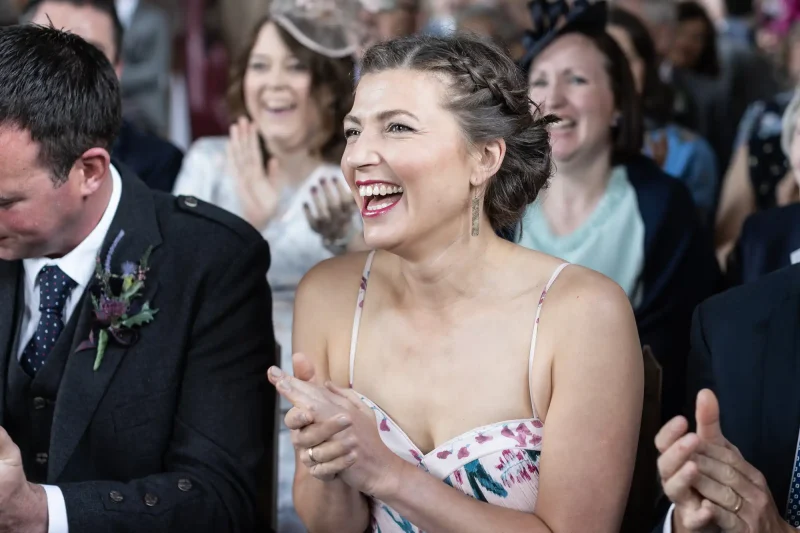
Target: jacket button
[190, 201]
[39, 403]
[185, 485]
[41, 458]
[150, 500]
[116, 496]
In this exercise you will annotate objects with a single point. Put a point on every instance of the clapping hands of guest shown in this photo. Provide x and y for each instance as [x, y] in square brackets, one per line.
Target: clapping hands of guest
[332, 215]
[23, 505]
[256, 184]
[712, 486]
[335, 433]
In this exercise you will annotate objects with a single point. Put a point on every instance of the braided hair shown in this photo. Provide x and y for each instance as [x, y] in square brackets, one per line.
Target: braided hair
[488, 94]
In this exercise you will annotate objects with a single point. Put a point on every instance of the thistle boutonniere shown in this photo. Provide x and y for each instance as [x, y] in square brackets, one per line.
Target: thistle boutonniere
[115, 299]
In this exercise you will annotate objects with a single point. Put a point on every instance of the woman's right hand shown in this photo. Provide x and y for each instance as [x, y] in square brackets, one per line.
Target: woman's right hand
[309, 431]
[258, 195]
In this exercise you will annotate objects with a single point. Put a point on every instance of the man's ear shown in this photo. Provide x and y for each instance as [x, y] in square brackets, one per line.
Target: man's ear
[490, 158]
[91, 170]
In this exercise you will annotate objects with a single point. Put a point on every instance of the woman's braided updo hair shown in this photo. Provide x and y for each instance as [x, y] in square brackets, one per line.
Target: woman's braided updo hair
[488, 93]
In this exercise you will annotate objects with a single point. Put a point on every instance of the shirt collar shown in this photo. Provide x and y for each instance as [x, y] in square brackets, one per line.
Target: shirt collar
[79, 264]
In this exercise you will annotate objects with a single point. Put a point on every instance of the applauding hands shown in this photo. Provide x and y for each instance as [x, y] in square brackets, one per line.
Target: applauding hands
[257, 190]
[712, 486]
[335, 433]
[332, 216]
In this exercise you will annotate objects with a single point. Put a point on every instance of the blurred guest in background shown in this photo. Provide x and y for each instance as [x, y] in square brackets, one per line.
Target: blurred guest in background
[770, 239]
[279, 168]
[445, 124]
[759, 177]
[156, 161]
[680, 152]
[695, 45]
[776, 17]
[147, 55]
[609, 207]
[495, 23]
[387, 19]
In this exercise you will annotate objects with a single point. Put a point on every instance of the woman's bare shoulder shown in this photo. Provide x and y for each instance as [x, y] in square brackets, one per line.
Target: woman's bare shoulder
[333, 282]
[580, 295]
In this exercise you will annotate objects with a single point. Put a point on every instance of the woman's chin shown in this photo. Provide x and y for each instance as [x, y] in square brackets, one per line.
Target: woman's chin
[381, 238]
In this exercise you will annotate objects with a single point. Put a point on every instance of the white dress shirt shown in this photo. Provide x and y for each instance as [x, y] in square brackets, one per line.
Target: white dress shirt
[79, 265]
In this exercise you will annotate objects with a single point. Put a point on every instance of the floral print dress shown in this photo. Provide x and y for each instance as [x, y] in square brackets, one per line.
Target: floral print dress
[497, 464]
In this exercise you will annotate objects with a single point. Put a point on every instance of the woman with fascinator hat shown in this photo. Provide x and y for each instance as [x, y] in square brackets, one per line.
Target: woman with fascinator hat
[279, 167]
[610, 208]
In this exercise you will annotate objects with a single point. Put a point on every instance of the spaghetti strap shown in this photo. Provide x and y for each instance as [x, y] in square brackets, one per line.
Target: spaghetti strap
[558, 271]
[362, 292]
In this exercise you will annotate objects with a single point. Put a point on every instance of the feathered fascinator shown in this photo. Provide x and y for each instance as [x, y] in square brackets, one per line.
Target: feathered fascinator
[329, 27]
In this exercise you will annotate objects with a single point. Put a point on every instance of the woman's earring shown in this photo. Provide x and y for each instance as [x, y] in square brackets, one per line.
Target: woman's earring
[476, 216]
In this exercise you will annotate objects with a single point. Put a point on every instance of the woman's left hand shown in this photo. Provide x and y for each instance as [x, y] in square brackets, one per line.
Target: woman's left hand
[355, 454]
[736, 492]
[333, 212]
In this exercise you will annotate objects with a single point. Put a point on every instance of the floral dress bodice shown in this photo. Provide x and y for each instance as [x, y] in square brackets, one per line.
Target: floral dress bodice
[497, 464]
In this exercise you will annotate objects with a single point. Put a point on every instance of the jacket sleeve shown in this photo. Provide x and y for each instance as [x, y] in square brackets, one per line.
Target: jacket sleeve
[209, 479]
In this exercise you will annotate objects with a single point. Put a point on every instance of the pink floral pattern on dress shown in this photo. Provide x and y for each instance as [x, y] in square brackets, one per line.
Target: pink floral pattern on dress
[497, 464]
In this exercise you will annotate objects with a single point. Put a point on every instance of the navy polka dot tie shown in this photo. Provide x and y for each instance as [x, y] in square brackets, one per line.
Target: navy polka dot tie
[793, 508]
[54, 289]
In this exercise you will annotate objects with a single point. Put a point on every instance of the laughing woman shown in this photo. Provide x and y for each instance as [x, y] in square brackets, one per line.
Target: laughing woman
[283, 152]
[479, 406]
[290, 90]
[610, 208]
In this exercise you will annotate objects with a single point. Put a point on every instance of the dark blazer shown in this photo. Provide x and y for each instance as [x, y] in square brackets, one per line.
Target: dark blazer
[154, 160]
[767, 241]
[746, 348]
[680, 271]
[166, 435]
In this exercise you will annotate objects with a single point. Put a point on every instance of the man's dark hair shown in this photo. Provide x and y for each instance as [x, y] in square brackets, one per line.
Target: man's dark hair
[104, 6]
[62, 90]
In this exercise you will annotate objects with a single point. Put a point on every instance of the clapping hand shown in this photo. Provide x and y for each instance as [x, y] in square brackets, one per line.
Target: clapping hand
[709, 481]
[336, 434]
[23, 505]
[255, 184]
[334, 207]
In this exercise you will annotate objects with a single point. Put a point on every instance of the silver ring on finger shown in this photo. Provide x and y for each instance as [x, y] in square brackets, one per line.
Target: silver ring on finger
[311, 455]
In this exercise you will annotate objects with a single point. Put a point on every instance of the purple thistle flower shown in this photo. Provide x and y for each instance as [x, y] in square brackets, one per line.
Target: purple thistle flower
[112, 249]
[129, 268]
[112, 308]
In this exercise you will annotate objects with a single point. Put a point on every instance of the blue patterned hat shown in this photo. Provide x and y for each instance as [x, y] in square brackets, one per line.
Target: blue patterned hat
[554, 18]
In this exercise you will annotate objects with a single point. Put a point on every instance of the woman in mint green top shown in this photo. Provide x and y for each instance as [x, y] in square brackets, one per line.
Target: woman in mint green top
[609, 207]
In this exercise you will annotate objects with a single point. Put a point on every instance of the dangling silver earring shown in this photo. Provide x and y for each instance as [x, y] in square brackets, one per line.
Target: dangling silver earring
[476, 216]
